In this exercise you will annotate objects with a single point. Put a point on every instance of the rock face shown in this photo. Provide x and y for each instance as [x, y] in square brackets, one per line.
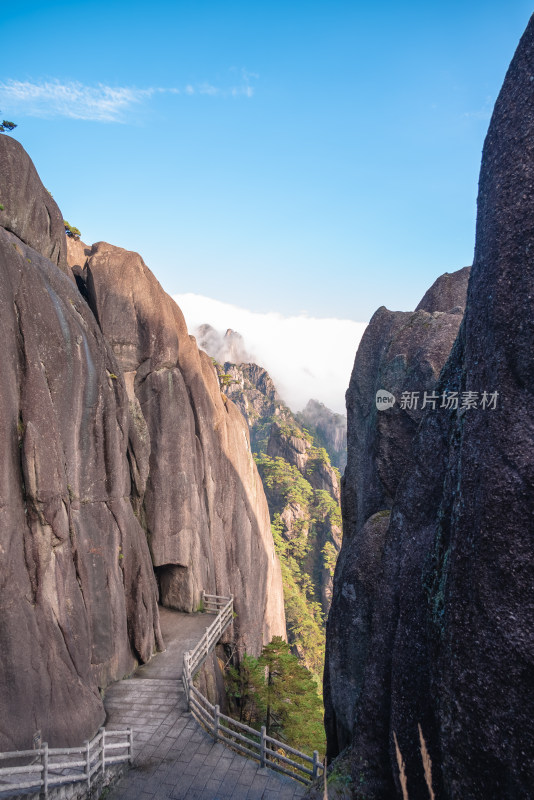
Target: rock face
[78, 599]
[451, 649]
[328, 428]
[312, 462]
[30, 212]
[197, 489]
[401, 352]
[251, 388]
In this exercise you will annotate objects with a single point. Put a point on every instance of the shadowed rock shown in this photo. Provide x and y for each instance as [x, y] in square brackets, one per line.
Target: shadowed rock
[451, 647]
[447, 293]
[402, 352]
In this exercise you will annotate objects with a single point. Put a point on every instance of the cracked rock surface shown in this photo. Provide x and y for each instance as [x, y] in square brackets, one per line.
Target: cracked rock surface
[78, 598]
[201, 499]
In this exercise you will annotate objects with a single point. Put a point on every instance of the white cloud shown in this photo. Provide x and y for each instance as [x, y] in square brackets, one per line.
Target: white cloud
[100, 103]
[207, 88]
[72, 99]
[307, 357]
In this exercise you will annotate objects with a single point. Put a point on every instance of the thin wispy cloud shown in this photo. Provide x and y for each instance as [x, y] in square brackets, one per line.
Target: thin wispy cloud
[99, 103]
[483, 113]
[73, 99]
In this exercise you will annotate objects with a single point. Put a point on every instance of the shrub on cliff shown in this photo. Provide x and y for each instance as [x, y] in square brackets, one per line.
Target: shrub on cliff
[6, 126]
[71, 231]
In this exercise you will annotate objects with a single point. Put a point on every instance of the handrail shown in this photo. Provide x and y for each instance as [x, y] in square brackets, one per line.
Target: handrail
[268, 751]
[45, 762]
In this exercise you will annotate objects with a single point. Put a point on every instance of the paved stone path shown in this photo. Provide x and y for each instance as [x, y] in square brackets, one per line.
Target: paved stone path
[174, 757]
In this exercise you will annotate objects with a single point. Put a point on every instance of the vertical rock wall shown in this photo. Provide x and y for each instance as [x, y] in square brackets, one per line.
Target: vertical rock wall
[77, 592]
[450, 642]
[201, 498]
[401, 352]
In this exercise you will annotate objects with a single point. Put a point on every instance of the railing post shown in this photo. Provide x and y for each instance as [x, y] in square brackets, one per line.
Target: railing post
[103, 752]
[316, 763]
[263, 743]
[216, 723]
[203, 599]
[187, 676]
[44, 761]
[88, 763]
[130, 745]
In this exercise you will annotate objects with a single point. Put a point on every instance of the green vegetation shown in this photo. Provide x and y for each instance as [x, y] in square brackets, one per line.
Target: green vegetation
[277, 691]
[289, 429]
[306, 526]
[71, 231]
[1, 207]
[282, 481]
[304, 551]
[304, 618]
[329, 554]
[325, 508]
[226, 380]
[6, 126]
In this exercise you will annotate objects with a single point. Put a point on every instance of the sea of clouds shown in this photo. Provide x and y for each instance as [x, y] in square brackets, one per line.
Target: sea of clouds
[307, 357]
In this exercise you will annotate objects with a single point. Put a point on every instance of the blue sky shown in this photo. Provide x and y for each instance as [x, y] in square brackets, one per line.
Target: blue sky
[290, 157]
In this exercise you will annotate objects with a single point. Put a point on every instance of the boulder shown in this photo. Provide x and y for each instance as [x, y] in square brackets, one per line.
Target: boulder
[447, 293]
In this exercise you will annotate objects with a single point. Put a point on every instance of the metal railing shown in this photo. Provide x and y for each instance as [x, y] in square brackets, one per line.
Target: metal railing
[223, 607]
[255, 744]
[46, 768]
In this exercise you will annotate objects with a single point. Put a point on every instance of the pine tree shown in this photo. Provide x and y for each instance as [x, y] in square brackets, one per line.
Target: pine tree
[288, 697]
[241, 685]
[6, 126]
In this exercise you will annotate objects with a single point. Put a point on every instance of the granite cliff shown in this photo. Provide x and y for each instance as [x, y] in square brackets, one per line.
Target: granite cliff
[441, 656]
[78, 598]
[126, 474]
[402, 352]
[208, 527]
